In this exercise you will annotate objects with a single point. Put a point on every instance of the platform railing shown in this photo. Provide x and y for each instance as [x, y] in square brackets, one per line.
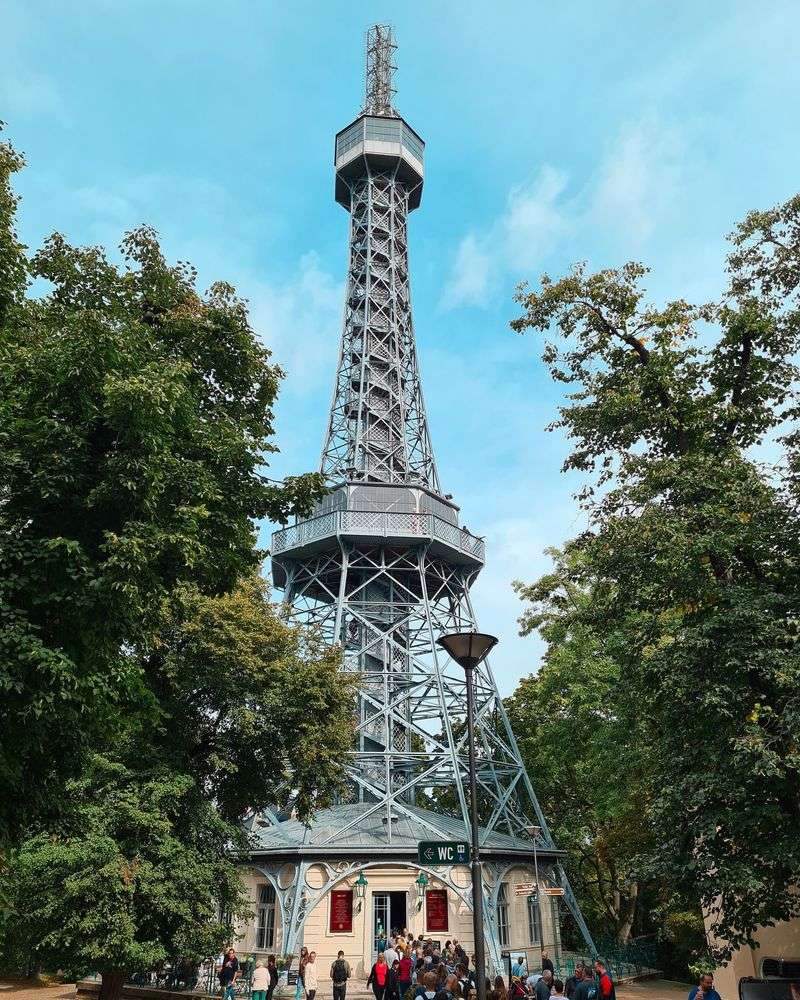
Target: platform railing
[380, 524]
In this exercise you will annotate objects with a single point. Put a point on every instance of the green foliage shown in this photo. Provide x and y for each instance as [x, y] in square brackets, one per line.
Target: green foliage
[241, 710]
[135, 873]
[150, 693]
[682, 950]
[256, 710]
[135, 415]
[690, 566]
[588, 754]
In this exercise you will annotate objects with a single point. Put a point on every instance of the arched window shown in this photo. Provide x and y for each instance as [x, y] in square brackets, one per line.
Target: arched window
[534, 919]
[502, 914]
[265, 918]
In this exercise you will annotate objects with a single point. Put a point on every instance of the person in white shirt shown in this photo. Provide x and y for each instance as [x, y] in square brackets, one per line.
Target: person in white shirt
[310, 976]
[390, 954]
[532, 980]
[260, 983]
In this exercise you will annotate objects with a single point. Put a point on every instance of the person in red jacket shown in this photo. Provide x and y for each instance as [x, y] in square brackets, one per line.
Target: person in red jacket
[606, 989]
[379, 977]
[404, 973]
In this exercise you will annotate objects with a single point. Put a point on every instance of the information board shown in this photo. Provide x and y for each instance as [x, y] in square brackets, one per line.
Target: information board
[436, 910]
[341, 911]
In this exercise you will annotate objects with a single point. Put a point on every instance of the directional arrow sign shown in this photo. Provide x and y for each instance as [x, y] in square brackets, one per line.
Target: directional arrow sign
[443, 852]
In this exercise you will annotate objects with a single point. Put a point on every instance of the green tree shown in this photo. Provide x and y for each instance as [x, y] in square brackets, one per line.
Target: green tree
[694, 544]
[135, 421]
[588, 755]
[151, 694]
[258, 711]
[137, 871]
[243, 711]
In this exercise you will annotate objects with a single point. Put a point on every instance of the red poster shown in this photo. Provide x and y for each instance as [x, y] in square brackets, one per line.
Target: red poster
[436, 909]
[341, 911]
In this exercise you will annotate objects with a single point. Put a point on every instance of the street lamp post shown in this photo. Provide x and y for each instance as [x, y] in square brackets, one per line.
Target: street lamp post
[469, 649]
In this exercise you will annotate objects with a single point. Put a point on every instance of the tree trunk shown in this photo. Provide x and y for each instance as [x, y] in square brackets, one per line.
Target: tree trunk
[626, 925]
[111, 985]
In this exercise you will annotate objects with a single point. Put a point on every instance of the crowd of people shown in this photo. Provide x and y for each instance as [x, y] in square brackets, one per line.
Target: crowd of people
[415, 969]
[586, 983]
[405, 962]
[408, 968]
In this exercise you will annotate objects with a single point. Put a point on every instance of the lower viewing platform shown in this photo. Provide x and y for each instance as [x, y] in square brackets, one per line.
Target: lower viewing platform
[372, 525]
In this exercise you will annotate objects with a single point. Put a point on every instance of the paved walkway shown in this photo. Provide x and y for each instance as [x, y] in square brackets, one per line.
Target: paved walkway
[646, 989]
[653, 989]
[25, 990]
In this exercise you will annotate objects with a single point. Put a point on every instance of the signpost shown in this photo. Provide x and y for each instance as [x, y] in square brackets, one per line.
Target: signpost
[553, 890]
[524, 888]
[443, 852]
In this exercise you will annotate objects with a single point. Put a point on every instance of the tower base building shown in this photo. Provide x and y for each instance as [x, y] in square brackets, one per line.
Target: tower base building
[382, 568]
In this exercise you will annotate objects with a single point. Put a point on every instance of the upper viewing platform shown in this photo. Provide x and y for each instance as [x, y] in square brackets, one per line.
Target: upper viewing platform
[380, 142]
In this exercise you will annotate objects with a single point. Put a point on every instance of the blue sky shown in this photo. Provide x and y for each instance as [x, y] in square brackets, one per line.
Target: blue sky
[556, 132]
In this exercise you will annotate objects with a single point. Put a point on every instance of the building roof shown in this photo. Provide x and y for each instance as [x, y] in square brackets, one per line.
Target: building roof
[371, 833]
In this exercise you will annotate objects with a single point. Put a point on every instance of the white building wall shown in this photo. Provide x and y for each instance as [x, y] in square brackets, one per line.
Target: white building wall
[357, 944]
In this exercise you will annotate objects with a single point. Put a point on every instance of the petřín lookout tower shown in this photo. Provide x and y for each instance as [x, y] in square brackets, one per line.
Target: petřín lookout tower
[383, 568]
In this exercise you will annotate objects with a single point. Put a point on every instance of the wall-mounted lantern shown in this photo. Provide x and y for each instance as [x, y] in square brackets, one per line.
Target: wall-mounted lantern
[360, 886]
[421, 884]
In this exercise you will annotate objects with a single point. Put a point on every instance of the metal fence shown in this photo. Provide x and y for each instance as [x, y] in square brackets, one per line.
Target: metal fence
[637, 957]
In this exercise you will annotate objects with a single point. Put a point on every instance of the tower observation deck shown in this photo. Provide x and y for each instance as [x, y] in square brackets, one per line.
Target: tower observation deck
[382, 568]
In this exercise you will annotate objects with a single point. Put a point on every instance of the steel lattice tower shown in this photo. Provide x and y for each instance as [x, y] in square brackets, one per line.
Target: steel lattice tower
[382, 567]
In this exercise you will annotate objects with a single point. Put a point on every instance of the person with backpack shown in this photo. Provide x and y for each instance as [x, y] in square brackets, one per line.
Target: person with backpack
[393, 989]
[587, 988]
[571, 984]
[464, 979]
[340, 973]
[606, 989]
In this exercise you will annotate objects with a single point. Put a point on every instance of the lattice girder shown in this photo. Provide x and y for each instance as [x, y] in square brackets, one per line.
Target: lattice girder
[382, 568]
[378, 428]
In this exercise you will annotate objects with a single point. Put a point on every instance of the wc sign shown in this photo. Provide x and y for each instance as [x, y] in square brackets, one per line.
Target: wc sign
[443, 852]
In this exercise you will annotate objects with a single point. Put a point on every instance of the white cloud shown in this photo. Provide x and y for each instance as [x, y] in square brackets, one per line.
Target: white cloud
[298, 314]
[470, 278]
[640, 179]
[534, 221]
[104, 205]
[515, 550]
[300, 321]
[527, 230]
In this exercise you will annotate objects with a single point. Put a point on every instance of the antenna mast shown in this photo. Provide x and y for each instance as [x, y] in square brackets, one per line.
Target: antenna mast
[380, 71]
